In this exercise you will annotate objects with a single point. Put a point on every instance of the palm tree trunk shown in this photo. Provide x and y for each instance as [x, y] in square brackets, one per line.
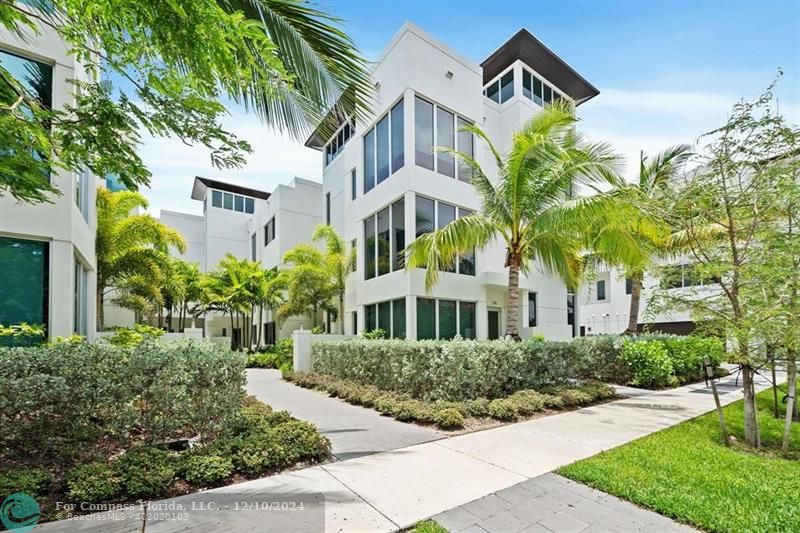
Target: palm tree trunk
[791, 374]
[636, 297]
[340, 318]
[513, 298]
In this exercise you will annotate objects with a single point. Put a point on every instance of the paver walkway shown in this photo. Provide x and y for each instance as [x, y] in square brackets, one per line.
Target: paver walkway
[353, 431]
[554, 504]
[386, 491]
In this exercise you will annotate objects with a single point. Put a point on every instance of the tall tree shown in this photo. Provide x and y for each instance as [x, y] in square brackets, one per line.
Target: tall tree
[284, 59]
[309, 284]
[132, 250]
[531, 209]
[340, 260]
[649, 192]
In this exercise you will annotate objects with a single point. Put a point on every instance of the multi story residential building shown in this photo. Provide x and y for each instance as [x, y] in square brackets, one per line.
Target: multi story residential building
[384, 184]
[47, 250]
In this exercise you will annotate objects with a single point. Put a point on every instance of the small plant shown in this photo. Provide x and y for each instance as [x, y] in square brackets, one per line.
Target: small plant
[33, 481]
[23, 334]
[650, 363]
[429, 526]
[94, 482]
[147, 472]
[206, 470]
[449, 418]
[479, 407]
[132, 337]
[503, 409]
[375, 334]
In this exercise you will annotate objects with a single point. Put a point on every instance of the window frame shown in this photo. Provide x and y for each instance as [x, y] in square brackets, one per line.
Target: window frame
[373, 130]
[269, 231]
[457, 163]
[337, 141]
[393, 264]
[437, 315]
[458, 214]
[374, 309]
[533, 321]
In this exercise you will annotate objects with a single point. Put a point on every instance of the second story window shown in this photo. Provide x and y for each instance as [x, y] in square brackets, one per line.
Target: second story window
[384, 240]
[432, 214]
[232, 202]
[384, 152]
[435, 126]
[338, 140]
[269, 231]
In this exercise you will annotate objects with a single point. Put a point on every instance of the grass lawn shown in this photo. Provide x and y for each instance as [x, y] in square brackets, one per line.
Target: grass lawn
[685, 473]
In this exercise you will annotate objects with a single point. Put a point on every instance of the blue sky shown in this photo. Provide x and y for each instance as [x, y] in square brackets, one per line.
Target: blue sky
[666, 71]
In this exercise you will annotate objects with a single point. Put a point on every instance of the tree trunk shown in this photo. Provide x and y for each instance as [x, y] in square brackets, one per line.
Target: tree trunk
[751, 433]
[791, 374]
[340, 318]
[260, 325]
[233, 328]
[513, 298]
[100, 314]
[636, 298]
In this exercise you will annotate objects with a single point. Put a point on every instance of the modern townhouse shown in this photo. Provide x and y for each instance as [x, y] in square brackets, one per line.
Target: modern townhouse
[384, 184]
[47, 251]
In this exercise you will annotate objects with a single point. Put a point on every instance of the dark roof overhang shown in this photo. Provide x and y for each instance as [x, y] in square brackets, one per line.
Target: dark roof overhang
[202, 184]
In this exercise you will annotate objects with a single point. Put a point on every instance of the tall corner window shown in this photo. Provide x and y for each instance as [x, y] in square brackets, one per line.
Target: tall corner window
[384, 240]
[423, 133]
[532, 310]
[436, 127]
[507, 86]
[80, 299]
[527, 84]
[384, 152]
[25, 294]
[353, 185]
[432, 214]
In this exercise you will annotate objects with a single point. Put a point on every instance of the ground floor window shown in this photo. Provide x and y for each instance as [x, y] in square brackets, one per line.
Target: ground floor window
[24, 296]
[269, 333]
[390, 316]
[80, 298]
[442, 319]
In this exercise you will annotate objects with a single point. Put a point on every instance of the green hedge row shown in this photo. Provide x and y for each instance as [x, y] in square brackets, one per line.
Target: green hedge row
[60, 400]
[466, 369]
[453, 414]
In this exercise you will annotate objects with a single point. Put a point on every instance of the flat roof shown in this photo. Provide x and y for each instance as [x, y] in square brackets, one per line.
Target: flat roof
[199, 190]
[531, 51]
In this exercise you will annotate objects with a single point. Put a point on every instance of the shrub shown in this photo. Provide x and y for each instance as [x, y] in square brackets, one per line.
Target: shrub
[265, 449]
[147, 472]
[687, 355]
[33, 481]
[375, 334]
[22, 335]
[94, 482]
[503, 409]
[479, 407]
[301, 440]
[650, 363]
[131, 337]
[386, 403]
[205, 470]
[448, 418]
[553, 401]
[527, 402]
[412, 411]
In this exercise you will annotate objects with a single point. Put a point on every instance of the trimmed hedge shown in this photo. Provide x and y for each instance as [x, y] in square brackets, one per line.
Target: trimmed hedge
[453, 414]
[467, 369]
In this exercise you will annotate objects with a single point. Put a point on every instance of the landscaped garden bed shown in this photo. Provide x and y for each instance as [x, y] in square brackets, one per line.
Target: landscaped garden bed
[686, 473]
[95, 423]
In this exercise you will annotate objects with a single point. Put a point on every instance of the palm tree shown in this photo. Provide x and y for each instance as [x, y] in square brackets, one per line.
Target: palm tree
[132, 250]
[329, 73]
[229, 289]
[309, 284]
[267, 288]
[655, 177]
[340, 264]
[192, 294]
[531, 209]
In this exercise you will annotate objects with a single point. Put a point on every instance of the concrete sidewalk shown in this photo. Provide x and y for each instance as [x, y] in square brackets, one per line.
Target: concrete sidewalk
[395, 489]
[353, 431]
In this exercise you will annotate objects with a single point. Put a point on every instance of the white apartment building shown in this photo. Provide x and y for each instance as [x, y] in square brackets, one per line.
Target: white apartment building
[384, 184]
[47, 251]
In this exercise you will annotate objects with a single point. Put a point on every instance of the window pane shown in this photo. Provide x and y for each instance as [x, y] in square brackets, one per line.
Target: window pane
[371, 317]
[253, 247]
[466, 319]
[384, 317]
[399, 318]
[423, 133]
[369, 248]
[239, 203]
[353, 187]
[384, 250]
[228, 201]
[426, 318]
[216, 198]
[424, 216]
[447, 214]
[537, 90]
[465, 146]
[548, 94]
[328, 208]
[628, 285]
[35, 77]
[23, 297]
[398, 151]
[601, 289]
[493, 92]
[571, 309]
[507, 86]
[532, 310]
[526, 85]
[398, 234]
[447, 319]
[383, 148]
[249, 205]
[444, 138]
[466, 264]
[369, 161]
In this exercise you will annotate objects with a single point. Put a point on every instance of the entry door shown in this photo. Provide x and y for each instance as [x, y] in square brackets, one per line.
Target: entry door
[494, 325]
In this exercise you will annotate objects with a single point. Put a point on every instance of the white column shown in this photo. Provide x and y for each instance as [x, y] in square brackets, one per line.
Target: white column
[481, 321]
[301, 348]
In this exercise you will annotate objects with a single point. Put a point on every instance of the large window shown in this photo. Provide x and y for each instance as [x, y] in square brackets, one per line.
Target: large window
[82, 192]
[390, 316]
[24, 295]
[538, 91]
[443, 319]
[232, 202]
[532, 310]
[384, 237]
[501, 90]
[677, 276]
[432, 214]
[445, 131]
[81, 283]
[338, 140]
[269, 231]
[384, 148]
[35, 77]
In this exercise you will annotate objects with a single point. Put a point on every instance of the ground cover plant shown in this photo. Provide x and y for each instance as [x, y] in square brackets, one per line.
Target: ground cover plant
[450, 414]
[686, 473]
[98, 423]
[277, 356]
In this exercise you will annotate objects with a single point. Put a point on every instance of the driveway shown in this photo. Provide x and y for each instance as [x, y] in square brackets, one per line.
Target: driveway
[353, 431]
